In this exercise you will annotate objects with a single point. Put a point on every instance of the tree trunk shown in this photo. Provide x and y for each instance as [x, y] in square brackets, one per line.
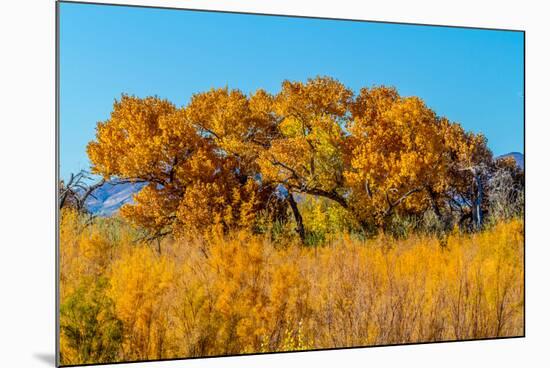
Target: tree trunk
[476, 211]
[158, 246]
[297, 216]
[433, 201]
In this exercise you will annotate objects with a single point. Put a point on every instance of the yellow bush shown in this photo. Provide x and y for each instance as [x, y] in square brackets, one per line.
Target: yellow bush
[139, 283]
[239, 293]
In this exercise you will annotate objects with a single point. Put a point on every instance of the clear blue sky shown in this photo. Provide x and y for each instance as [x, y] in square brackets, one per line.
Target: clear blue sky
[474, 77]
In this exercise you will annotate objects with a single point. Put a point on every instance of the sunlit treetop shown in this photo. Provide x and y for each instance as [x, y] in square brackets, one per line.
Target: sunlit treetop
[226, 155]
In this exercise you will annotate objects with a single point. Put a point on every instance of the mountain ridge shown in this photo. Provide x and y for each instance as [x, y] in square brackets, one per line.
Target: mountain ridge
[517, 156]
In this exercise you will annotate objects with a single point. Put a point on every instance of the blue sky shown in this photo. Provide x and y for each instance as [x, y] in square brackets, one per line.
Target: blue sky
[474, 77]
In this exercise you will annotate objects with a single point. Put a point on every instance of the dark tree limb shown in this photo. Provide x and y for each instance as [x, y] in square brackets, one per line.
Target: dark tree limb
[286, 167]
[76, 191]
[433, 202]
[330, 195]
[392, 205]
[367, 189]
[297, 216]
[89, 191]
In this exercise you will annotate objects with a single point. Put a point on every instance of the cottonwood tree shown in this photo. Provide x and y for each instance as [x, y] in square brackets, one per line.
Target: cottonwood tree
[224, 156]
[192, 181]
[308, 154]
[400, 159]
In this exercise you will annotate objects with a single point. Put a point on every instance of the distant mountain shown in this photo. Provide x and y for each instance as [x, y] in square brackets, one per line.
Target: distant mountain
[520, 159]
[108, 198]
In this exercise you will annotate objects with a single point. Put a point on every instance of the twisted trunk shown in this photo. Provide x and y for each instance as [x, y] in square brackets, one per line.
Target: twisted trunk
[297, 217]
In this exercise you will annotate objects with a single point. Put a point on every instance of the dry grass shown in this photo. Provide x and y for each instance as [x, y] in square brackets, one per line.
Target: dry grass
[242, 294]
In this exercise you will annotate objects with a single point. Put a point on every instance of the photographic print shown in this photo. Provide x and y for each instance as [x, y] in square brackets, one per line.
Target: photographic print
[233, 183]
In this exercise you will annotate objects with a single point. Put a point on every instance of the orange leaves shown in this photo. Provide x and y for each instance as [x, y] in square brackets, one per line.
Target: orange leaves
[139, 284]
[178, 152]
[376, 154]
[128, 143]
[401, 150]
[219, 113]
[321, 95]
[237, 125]
[206, 205]
[309, 155]
[242, 293]
[153, 207]
[400, 146]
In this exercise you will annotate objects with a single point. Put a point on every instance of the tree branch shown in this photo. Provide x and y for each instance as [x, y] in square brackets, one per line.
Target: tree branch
[392, 205]
[330, 195]
[297, 216]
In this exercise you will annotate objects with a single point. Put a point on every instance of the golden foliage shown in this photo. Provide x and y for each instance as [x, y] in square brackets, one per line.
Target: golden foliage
[376, 154]
[406, 159]
[310, 151]
[239, 293]
[225, 275]
[191, 183]
[139, 282]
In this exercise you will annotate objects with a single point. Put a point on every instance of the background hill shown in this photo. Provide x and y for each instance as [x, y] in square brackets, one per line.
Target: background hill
[520, 159]
[108, 198]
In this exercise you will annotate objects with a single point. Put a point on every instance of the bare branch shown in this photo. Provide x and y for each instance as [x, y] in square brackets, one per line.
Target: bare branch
[392, 205]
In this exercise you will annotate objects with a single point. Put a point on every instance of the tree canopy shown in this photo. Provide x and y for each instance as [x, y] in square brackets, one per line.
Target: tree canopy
[226, 156]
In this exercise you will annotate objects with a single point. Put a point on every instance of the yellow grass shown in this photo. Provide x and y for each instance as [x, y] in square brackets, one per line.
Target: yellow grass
[242, 294]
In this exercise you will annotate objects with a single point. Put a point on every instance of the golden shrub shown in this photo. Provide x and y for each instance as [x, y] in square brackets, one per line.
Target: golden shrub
[239, 293]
